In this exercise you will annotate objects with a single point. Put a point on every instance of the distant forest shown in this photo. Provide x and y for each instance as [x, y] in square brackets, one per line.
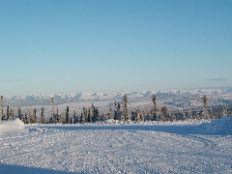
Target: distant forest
[118, 112]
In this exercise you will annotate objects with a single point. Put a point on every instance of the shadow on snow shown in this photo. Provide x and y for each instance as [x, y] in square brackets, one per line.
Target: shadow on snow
[177, 129]
[15, 169]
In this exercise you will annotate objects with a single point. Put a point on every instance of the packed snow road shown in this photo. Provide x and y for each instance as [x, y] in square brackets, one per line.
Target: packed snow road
[179, 148]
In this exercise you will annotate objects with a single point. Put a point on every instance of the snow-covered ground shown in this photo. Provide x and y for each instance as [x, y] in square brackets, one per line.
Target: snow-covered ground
[11, 127]
[136, 148]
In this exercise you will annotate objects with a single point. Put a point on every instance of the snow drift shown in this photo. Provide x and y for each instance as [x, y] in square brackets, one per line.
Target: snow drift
[11, 126]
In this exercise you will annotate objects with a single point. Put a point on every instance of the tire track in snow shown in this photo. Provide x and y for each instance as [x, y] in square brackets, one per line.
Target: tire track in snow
[207, 144]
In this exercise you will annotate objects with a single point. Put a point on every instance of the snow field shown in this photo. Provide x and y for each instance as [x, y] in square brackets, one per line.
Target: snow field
[160, 148]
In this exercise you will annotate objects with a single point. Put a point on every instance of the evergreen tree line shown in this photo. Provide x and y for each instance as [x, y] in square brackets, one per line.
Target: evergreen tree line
[118, 112]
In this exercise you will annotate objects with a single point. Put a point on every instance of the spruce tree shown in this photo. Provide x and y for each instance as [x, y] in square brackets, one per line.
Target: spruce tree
[164, 111]
[1, 108]
[67, 115]
[7, 112]
[42, 116]
[53, 116]
[75, 117]
[110, 113]
[11, 114]
[95, 115]
[117, 112]
[154, 108]
[26, 119]
[88, 116]
[225, 111]
[84, 115]
[81, 118]
[34, 115]
[125, 108]
[133, 116]
[20, 115]
[205, 107]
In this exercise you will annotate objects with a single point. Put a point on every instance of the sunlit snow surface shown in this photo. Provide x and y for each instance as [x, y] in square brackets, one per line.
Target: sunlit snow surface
[11, 127]
[136, 148]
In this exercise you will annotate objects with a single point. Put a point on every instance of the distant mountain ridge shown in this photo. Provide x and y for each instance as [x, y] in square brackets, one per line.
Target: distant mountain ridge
[175, 98]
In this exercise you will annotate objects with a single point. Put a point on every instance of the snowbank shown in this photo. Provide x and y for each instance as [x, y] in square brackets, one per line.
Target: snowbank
[221, 126]
[11, 126]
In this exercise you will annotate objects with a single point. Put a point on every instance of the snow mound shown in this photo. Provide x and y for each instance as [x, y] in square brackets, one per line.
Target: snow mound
[11, 126]
[221, 126]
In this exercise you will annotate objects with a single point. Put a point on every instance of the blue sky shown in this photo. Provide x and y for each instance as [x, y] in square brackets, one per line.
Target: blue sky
[51, 46]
